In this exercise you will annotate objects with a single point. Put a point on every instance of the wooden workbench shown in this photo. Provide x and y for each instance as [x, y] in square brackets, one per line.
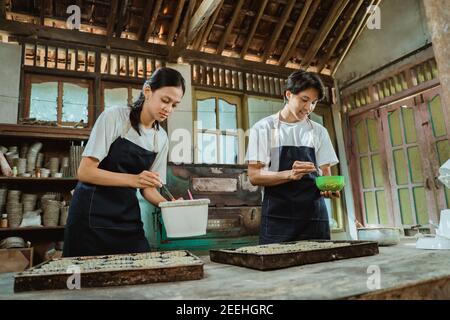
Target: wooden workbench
[406, 273]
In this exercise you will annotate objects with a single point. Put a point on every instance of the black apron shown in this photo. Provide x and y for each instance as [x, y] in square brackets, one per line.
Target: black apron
[295, 210]
[107, 220]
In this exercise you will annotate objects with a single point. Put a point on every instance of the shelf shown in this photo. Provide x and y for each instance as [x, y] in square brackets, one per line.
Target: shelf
[34, 234]
[43, 132]
[24, 179]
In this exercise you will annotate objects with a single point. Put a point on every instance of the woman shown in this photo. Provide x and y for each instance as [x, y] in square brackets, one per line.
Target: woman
[287, 151]
[127, 150]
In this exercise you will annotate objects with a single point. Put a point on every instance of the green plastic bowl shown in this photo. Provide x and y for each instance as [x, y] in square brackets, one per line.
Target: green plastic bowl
[330, 183]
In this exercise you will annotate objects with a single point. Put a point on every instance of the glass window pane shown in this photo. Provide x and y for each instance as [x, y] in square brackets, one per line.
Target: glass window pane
[43, 101]
[409, 125]
[206, 114]
[437, 117]
[366, 173]
[316, 118]
[75, 103]
[361, 137]
[259, 108]
[415, 162]
[229, 149]
[135, 94]
[227, 116]
[405, 206]
[373, 134]
[117, 97]
[371, 208]
[401, 167]
[382, 208]
[207, 148]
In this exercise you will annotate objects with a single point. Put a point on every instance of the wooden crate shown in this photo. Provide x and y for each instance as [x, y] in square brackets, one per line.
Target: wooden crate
[280, 259]
[15, 259]
[54, 274]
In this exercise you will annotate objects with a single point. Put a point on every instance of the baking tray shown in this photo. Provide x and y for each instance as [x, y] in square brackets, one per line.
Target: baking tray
[111, 270]
[289, 254]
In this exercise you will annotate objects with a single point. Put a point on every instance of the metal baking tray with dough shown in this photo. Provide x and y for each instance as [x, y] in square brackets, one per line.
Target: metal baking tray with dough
[112, 270]
[289, 254]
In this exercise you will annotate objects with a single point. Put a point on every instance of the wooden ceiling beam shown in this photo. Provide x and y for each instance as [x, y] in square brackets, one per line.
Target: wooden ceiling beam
[330, 21]
[291, 51]
[298, 25]
[175, 22]
[223, 41]
[276, 34]
[153, 19]
[354, 37]
[201, 16]
[253, 29]
[2, 10]
[42, 12]
[121, 18]
[209, 26]
[348, 21]
[181, 42]
[112, 18]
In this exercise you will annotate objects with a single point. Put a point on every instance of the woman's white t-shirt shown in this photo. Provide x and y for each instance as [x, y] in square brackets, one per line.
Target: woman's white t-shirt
[115, 122]
[271, 132]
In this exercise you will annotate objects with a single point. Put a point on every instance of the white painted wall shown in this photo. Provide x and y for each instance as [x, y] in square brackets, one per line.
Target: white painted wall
[181, 120]
[403, 30]
[10, 57]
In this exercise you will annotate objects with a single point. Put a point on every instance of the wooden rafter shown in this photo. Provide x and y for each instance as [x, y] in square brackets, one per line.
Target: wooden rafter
[348, 21]
[209, 27]
[42, 12]
[175, 22]
[357, 32]
[291, 51]
[122, 17]
[152, 24]
[2, 10]
[201, 16]
[333, 16]
[147, 14]
[181, 42]
[296, 29]
[253, 29]
[276, 34]
[112, 18]
[91, 12]
[225, 36]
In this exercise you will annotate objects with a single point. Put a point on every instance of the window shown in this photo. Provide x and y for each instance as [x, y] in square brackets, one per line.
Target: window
[119, 94]
[62, 100]
[217, 135]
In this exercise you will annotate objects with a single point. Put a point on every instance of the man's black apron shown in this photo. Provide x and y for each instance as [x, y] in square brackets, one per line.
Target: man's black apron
[295, 210]
[107, 220]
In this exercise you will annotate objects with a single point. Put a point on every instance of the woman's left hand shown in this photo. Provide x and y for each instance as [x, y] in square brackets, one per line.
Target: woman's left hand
[330, 194]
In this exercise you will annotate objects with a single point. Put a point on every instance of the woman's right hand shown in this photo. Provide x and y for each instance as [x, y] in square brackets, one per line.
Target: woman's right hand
[146, 179]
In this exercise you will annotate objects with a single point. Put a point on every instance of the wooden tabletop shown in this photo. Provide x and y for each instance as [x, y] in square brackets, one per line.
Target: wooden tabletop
[405, 273]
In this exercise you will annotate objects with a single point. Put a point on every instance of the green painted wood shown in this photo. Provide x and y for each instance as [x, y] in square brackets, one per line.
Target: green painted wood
[437, 117]
[401, 167]
[373, 134]
[371, 207]
[377, 171]
[361, 137]
[382, 208]
[366, 173]
[405, 206]
[409, 125]
[415, 165]
[395, 128]
[420, 203]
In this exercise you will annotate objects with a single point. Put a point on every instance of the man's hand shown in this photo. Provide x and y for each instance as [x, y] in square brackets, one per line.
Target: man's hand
[330, 194]
[299, 169]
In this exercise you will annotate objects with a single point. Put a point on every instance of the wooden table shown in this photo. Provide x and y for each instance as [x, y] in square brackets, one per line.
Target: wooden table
[406, 273]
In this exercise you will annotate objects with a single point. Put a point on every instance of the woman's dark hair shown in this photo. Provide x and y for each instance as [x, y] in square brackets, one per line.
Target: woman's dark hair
[302, 80]
[162, 77]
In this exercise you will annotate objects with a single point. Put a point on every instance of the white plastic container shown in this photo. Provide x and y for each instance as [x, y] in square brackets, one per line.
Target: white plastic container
[185, 218]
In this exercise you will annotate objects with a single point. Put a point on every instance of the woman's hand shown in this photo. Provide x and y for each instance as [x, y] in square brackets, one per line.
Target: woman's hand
[299, 169]
[146, 179]
[330, 194]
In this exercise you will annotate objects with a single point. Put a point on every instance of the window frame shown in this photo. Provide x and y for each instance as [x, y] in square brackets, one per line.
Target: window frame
[230, 98]
[31, 78]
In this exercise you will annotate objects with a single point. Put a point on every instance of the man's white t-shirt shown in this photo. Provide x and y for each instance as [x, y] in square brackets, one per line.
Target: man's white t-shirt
[271, 132]
[115, 122]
